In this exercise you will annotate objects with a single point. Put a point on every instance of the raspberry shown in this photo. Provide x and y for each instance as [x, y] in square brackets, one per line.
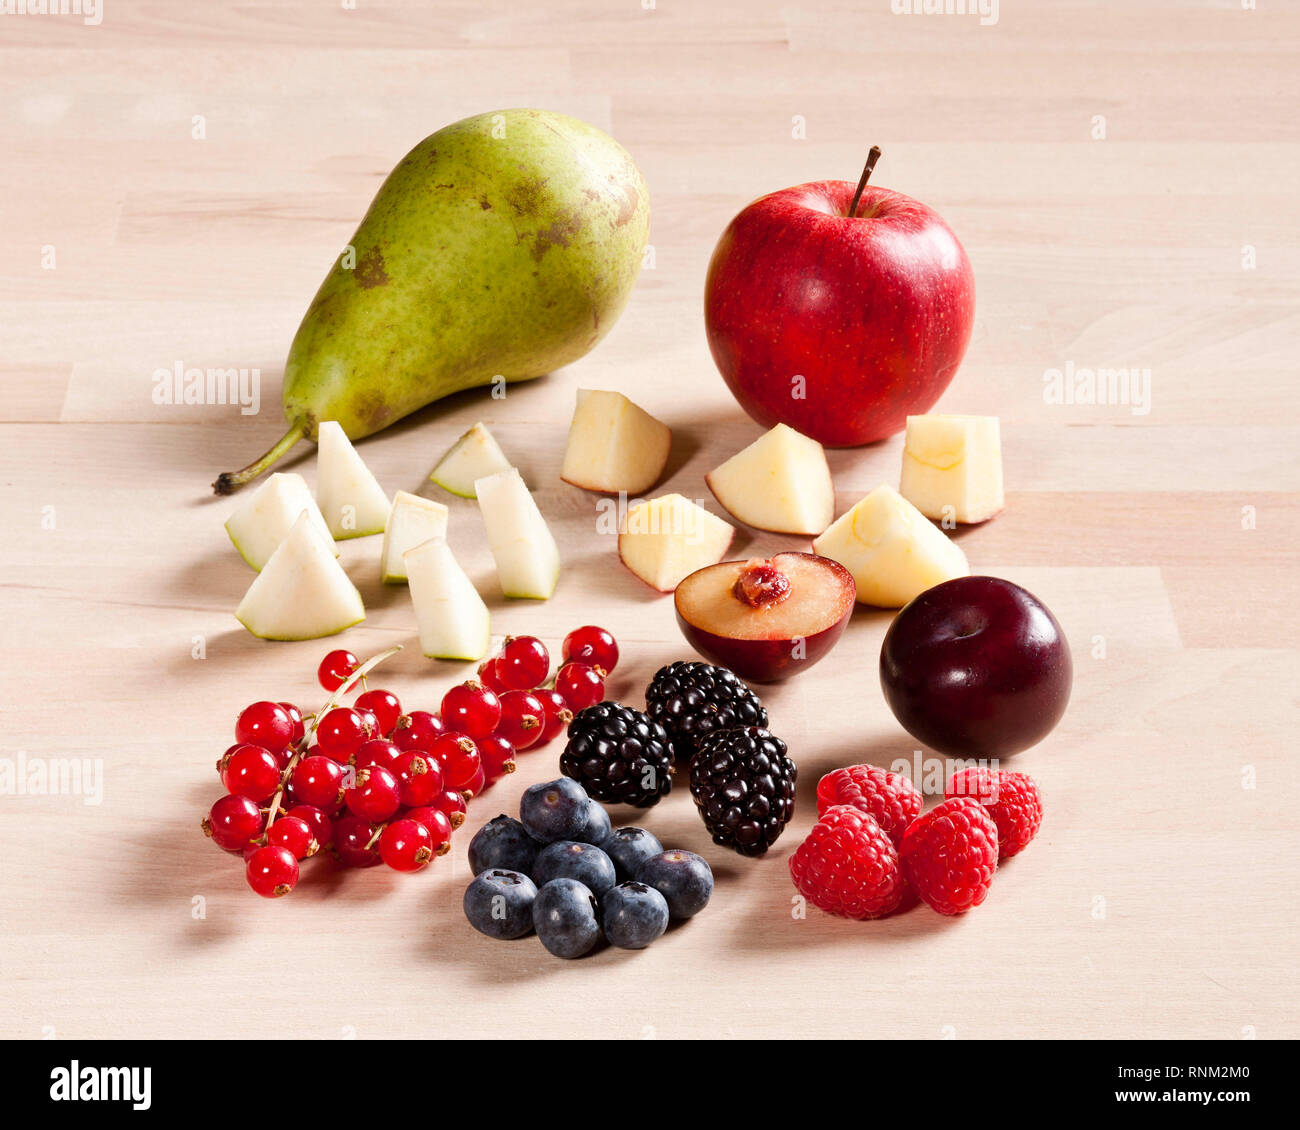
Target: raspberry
[848, 865]
[1012, 799]
[889, 797]
[949, 855]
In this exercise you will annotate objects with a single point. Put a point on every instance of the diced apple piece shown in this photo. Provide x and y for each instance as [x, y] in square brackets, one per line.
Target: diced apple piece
[412, 521]
[528, 560]
[474, 456]
[780, 482]
[454, 622]
[349, 496]
[952, 467]
[614, 445]
[302, 592]
[264, 521]
[893, 551]
[666, 539]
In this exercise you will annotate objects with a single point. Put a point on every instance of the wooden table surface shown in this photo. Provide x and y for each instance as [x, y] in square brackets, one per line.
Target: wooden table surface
[176, 181]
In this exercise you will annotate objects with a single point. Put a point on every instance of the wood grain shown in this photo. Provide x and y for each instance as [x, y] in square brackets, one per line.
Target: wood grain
[1159, 899]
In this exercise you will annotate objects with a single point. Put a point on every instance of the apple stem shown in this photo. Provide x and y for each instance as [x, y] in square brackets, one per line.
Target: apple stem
[228, 481]
[872, 158]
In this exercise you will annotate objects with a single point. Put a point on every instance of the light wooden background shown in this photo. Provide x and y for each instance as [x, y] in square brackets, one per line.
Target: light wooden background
[1160, 898]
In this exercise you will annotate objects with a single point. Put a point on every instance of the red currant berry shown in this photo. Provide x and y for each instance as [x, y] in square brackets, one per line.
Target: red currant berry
[580, 685]
[417, 730]
[471, 709]
[459, 757]
[452, 805]
[384, 706]
[438, 825]
[405, 845]
[272, 871]
[476, 785]
[523, 664]
[249, 770]
[294, 833]
[233, 822]
[340, 733]
[351, 837]
[375, 795]
[318, 781]
[591, 645]
[558, 716]
[523, 714]
[378, 751]
[336, 668]
[321, 826]
[420, 777]
[266, 724]
[295, 717]
[497, 755]
[489, 676]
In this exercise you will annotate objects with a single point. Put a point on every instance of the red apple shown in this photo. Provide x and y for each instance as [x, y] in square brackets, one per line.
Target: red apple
[839, 325]
[976, 667]
[766, 619]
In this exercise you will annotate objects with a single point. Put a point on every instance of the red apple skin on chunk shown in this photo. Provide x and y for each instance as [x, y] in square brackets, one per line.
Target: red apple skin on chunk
[766, 642]
[873, 312]
[976, 667]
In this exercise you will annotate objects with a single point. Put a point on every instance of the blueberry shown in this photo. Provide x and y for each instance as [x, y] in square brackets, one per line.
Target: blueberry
[564, 916]
[555, 810]
[502, 842]
[598, 825]
[568, 859]
[682, 877]
[629, 848]
[499, 904]
[634, 915]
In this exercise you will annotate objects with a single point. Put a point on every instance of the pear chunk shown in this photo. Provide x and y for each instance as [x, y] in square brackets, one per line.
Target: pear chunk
[528, 560]
[411, 521]
[350, 498]
[472, 457]
[952, 467]
[302, 592]
[264, 521]
[614, 445]
[454, 622]
[780, 482]
[893, 551]
[664, 540]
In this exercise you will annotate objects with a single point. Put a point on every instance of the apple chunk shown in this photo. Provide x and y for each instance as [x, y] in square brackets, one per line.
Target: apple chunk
[614, 445]
[893, 551]
[472, 457]
[264, 521]
[302, 593]
[766, 620]
[528, 560]
[666, 539]
[454, 622]
[952, 467]
[349, 496]
[780, 482]
[412, 521]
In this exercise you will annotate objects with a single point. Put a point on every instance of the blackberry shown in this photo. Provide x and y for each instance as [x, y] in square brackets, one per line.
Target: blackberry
[693, 700]
[743, 784]
[619, 755]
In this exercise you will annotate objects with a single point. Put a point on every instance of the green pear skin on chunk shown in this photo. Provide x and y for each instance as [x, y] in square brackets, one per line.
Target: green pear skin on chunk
[302, 592]
[348, 494]
[504, 245]
[472, 457]
[266, 518]
[526, 556]
[412, 521]
[453, 621]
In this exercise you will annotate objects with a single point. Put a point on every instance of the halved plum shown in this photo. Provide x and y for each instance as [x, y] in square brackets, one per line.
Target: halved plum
[766, 619]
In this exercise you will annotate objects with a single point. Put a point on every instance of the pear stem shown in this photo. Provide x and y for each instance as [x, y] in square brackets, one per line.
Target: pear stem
[229, 481]
[872, 158]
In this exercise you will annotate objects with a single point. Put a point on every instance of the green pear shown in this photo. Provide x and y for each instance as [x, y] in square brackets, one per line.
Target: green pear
[505, 245]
